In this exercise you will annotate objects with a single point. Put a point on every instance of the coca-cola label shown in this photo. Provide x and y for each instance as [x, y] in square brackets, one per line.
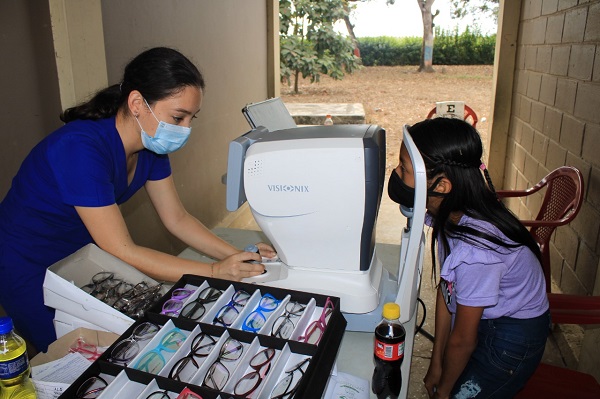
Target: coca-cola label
[389, 352]
[14, 367]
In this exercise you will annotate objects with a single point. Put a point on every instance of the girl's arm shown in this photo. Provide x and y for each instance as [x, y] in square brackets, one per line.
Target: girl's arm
[442, 331]
[461, 344]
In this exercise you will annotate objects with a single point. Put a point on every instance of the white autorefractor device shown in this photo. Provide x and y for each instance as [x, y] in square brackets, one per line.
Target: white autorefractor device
[315, 191]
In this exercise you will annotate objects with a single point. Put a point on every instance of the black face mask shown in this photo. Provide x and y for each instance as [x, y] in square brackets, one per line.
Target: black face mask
[404, 195]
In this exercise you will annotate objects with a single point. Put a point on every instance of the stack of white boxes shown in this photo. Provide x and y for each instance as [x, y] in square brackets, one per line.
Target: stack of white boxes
[74, 307]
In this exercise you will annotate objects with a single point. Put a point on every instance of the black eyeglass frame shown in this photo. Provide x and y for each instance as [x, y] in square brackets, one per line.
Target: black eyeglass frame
[286, 317]
[90, 381]
[189, 310]
[194, 353]
[290, 390]
[222, 356]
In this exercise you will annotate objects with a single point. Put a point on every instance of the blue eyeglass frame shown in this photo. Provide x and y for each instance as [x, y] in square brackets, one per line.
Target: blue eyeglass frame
[173, 335]
[231, 306]
[260, 313]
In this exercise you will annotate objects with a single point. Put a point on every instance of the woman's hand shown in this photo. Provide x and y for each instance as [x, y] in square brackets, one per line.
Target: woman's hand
[266, 250]
[238, 266]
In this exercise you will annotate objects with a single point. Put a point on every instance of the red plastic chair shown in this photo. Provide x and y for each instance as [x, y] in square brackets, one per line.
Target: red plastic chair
[557, 382]
[561, 203]
[468, 113]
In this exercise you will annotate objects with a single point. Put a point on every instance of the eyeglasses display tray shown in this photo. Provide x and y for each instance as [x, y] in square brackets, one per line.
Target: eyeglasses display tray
[221, 339]
[76, 284]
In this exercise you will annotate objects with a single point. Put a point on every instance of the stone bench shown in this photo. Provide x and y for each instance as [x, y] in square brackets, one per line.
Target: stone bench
[315, 113]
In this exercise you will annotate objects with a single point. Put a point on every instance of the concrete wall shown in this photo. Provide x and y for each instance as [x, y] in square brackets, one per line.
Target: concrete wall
[58, 52]
[228, 41]
[30, 103]
[554, 121]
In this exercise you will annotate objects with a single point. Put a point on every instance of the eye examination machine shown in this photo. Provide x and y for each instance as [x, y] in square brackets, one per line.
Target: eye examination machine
[315, 191]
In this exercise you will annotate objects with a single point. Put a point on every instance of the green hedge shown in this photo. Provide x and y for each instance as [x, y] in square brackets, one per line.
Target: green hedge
[449, 48]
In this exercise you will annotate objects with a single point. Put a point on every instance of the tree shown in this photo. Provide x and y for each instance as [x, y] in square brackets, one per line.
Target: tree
[308, 43]
[475, 8]
[350, 27]
[426, 64]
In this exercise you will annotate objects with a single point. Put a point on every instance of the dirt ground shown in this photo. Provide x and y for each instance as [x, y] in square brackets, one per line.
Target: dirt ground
[394, 96]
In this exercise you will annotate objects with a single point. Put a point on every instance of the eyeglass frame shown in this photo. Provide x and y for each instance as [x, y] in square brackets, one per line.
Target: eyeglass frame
[231, 305]
[160, 348]
[136, 339]
[99, 285]
[199, 301]
[256, 370]
[188, 394]
[220, 357]
[320, 324]
[87, 350]
[134, 306]
[287, 316]
[94, 378]
[176, 369]
[288, 393]
[176, 299]
[163, 394]
[259, 311]
[132, 302]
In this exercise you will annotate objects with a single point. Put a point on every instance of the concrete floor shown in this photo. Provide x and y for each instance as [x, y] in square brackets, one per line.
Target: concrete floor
[390, 223]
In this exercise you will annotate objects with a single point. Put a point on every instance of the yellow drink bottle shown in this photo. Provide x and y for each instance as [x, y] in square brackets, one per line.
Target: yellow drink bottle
[14, 364]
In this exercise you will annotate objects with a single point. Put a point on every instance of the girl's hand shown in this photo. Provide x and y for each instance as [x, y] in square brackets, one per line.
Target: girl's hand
[432, 379]
[238, 266]
[439, 395]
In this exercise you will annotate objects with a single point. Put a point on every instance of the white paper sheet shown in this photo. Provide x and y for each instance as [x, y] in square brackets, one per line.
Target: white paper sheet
[347, 386]
[53, 378]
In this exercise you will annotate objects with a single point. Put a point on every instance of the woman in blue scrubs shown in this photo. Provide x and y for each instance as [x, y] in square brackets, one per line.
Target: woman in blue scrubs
[68, 190]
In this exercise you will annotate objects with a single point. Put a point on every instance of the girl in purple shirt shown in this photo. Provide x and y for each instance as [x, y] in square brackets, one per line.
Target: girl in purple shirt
[492, 319]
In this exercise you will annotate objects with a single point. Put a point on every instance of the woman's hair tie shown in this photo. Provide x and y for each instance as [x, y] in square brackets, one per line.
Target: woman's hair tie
[482, 166]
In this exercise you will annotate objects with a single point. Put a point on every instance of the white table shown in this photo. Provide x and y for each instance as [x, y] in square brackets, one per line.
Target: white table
[355, 355]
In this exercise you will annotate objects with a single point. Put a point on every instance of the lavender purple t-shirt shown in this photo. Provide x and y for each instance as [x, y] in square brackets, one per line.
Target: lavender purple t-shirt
[504, 281]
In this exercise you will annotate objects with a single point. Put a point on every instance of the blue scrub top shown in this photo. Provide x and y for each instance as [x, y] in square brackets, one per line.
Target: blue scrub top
[80, 164]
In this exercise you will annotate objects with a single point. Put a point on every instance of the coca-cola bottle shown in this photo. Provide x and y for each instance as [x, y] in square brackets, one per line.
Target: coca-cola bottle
[388, 354]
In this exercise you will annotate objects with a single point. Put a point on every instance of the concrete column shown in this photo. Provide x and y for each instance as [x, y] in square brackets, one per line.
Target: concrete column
[273, 81]
[504, 74]
[79, 45]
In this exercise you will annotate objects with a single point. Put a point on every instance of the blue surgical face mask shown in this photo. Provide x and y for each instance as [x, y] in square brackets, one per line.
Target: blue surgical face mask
[168, 137]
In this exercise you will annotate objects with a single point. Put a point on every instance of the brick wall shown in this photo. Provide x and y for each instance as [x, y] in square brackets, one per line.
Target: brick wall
[555, 120]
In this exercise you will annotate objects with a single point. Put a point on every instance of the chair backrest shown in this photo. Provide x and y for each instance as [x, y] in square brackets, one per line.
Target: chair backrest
[562, 201]
[453, 109]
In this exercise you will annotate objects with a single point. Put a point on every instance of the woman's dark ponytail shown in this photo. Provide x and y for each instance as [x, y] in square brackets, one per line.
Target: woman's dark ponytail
[156, 73]
[104, 104]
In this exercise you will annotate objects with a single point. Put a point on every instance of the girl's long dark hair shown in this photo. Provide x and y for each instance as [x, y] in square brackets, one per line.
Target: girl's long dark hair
[453, 148]
[157, 73]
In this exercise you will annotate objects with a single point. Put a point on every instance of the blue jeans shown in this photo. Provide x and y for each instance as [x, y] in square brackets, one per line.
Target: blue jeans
[507, 353]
